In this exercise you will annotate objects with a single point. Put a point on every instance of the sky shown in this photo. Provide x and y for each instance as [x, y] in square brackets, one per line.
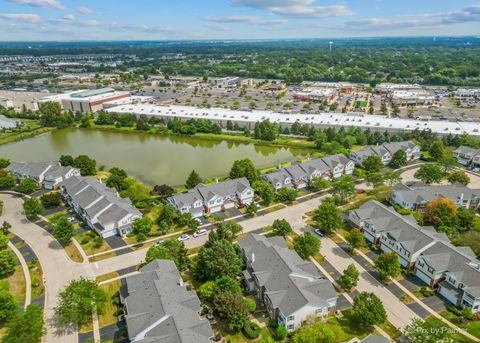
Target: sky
[70, 20]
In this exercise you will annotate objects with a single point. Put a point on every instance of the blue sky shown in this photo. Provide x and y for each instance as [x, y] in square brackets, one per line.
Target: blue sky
[233, 19]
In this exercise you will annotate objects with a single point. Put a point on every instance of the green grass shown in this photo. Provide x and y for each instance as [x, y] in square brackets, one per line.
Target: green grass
[36, 275]
[456, 336]
[345, 328]
[17, 283]
[472, 327]
[11, 137]
[391, 330]
[240, 338]
[88, 243]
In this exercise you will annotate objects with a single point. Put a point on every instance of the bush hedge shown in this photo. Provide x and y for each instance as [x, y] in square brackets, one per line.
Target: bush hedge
[251, 330]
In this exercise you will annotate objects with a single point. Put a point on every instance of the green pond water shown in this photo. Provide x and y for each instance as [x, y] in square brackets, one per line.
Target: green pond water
[153, 159]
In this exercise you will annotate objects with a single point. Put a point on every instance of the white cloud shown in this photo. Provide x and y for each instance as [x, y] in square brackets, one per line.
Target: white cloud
[244, 19]
[41, 3]
[468, 14]
[84, 10]
[21, 17]
[296, 8]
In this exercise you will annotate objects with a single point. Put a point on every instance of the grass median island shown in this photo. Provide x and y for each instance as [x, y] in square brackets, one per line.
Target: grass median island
[17, 283]
[36, 275]
[73, 253]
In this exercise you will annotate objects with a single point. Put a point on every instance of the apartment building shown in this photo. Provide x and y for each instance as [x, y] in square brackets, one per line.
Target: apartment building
[386, 151]
[293, 290]
[417, 198]
[214, 198]
[101, 207]
[467, 156]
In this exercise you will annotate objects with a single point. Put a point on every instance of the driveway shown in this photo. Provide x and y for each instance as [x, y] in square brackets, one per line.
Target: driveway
[398, 313]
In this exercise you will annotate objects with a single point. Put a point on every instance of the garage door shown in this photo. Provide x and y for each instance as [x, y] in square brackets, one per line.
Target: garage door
[424, 277]
[215, 209]
[229, 205]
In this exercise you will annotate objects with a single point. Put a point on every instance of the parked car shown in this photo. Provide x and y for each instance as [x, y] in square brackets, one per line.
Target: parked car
[320, 232]
[183, 238]
[199, 233]
[71, 219]
[160, 242]
[360, 191]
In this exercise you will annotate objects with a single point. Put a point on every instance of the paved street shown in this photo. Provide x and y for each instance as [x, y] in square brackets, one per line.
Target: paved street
[58, 269]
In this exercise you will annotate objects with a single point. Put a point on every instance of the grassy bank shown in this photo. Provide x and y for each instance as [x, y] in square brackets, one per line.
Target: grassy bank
[281, 141]
[15, 136]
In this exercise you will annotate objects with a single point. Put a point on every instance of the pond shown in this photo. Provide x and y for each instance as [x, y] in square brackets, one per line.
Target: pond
[153, 159]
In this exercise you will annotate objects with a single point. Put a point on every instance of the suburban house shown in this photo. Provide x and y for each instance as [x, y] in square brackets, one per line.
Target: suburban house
[434, 259]
[338, 165]
[462, 286]
[101, 207]
[159, 308]
[417, 198]
[299, 175]
[47, 174]
[278, 179]
[373, 217]
[214, 198]
[57, 174]
[439, 259]
[292, 290]
[386, 152]
[466, 155]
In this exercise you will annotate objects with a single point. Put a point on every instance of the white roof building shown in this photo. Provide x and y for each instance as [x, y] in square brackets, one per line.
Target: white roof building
[375, 122]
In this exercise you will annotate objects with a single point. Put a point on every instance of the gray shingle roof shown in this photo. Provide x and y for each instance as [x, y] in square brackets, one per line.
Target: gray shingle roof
[160, 309]
[374, 339]
[470, 277]
[290, 282]
[427, 194]
[31, 169]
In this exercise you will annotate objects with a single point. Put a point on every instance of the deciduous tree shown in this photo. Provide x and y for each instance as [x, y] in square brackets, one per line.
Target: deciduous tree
[26, 327]
[63, 231]
[216, 259]
[368, 309]
[349, 278]
[429, 173]
[33, 207]
[355, 239]
[460, 177]
[306, 245]
[244, 168]
[399, 159]
[281, 227]
[388, 264]
[328, 217]
[78, 300]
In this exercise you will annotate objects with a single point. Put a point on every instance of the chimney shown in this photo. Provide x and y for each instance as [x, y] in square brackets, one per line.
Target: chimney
[253, 257]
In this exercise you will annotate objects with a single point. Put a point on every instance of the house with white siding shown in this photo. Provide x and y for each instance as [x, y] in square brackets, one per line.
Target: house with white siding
[57, 174]
[292, 290]
[101, 207]
[462, 286]
[158, 307]
[417, 198]
[386, 151]
[299, 175]
[466, 155]
[214, 198]
[31, 170]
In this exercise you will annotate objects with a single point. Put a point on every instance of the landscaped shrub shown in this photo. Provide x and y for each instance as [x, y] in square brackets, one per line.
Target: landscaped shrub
[85, 240]
[251, 330]
[280, 333]
[251, 305]
[272, 323]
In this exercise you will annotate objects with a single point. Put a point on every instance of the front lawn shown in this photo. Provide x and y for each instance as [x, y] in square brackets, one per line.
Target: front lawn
[36, 275]
[472, 327]
[91, 243]
[240, 338]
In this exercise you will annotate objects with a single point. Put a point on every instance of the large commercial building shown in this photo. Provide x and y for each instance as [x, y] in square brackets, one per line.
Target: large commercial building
[322, 120]
[86, 100]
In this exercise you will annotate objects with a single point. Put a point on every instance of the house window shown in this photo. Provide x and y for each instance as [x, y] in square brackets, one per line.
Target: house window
[319, 311]
[290, 327]
[290, 318]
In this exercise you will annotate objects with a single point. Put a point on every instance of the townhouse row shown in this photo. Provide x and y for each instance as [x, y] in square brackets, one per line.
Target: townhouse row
[45, 174]
[386, 151]
[301, 174]
[214, 198]
[453, 271]
[159, 308]
[100, 206]
[467, 156]
[291, 289]
[417, 197]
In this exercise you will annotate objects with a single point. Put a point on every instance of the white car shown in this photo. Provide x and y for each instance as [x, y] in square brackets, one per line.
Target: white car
[199, 233]
[183, 238]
